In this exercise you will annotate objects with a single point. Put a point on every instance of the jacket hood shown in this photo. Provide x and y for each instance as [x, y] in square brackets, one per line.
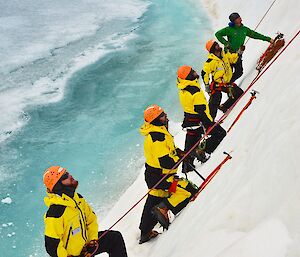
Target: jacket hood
[146, 128]
[182, 83]
[232, 25]
[60, 200]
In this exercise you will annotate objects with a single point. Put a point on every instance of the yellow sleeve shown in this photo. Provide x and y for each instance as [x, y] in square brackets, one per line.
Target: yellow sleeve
[205, 73]
[54, 229]
[199, 98]
[92, 224]
[160, 148]
[232, 57]
[165, 149]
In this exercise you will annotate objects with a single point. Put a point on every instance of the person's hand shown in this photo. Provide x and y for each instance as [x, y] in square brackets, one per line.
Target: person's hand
[189, 158]
[227, 46]
[85, 253]
[241, 50]
[231, 91]
[207, 89]
[89, 249]
[180, 153]
[272, 41]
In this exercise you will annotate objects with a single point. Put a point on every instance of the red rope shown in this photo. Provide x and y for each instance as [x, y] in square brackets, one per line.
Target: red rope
[205, 135]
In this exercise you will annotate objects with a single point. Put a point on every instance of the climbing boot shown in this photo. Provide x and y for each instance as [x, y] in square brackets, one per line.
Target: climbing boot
[160, 212]
[145, 237]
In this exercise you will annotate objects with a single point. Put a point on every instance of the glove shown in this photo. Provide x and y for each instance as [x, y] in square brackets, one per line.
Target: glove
[89, 249]
[180, 153]
[207, 89]
[189, 158]
[227, 47]
[241, 50]
[231, 91]
[202, 144]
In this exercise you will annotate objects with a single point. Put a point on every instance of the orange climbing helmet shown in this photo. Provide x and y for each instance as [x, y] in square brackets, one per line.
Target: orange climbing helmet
[52, 176]
[209, 44]
[184, 71]
[152, 112]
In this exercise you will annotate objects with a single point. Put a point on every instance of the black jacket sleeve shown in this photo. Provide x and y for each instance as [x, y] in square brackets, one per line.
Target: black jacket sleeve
[51, 245]
[166, 162]
[200, 109]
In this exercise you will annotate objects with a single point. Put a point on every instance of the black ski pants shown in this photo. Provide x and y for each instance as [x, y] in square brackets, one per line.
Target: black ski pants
[216, 97]
[112, 243]
[192, 137]
[238, 70]
[216, 136]
[152, 177]
[148, 221]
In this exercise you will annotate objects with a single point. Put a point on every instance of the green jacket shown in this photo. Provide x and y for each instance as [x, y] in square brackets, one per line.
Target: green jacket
[236, 36]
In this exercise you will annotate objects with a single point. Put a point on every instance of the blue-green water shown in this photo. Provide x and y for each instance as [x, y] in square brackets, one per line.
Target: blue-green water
[93, 131]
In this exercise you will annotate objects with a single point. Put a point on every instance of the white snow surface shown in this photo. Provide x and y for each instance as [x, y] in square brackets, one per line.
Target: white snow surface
[251, 208]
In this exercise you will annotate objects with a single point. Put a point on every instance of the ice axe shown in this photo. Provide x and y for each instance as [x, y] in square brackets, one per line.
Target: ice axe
[194, 169]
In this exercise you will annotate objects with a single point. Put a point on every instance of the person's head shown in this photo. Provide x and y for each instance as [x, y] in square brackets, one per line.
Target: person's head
[58, 181]
[155, 115]
[187, 73]
[235, 19]
[212, 46]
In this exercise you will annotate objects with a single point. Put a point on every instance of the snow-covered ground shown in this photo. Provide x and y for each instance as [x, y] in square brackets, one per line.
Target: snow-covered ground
[251, 208]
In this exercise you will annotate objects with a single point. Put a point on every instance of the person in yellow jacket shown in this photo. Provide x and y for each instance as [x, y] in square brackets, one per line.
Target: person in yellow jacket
[71, 227]
[197, 116]
[161, 154]
[216, 75]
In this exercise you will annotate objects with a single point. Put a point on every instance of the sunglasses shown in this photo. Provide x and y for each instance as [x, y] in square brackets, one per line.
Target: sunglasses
[65, 176]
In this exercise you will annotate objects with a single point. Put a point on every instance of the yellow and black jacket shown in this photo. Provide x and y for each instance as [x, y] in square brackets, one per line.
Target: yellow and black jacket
[194, 103]
[219, 68]
[70, 223]
[161, 156]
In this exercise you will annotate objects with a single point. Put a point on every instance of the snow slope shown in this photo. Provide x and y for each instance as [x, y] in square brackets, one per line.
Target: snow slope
[251, 208]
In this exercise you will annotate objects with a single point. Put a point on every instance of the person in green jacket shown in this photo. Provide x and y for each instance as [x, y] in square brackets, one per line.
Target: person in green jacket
[233, 38]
